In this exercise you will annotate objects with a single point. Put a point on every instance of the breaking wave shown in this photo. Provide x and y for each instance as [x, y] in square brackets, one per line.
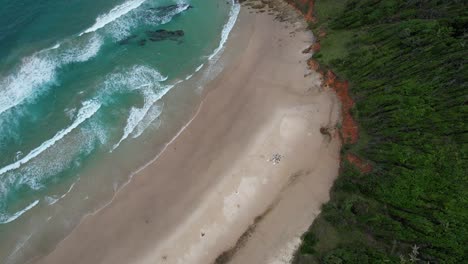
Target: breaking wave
[113, 15]
[233, 14]
[88, 110]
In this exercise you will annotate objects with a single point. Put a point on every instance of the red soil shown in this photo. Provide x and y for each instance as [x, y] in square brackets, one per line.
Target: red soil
[349, 129]
[315, 47]
[313, 64]
[305, 4]
[364, 167]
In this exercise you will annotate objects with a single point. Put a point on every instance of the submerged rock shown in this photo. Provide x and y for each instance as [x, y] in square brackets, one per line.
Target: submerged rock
[127, 40]
[162, 34]
[141, 42]
[171, 8]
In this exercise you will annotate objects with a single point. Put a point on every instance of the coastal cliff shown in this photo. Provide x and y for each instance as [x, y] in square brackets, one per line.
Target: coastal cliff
[398, 68]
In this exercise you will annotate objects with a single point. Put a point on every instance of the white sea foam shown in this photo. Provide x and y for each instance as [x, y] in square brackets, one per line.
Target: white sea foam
[55, 160]
[146, 80]
[40, 69]
[154, 112]
[136, 78]
[50, 200]
[168, 17]
[199, 68]
[137, 118]
[113, 14]
[81, 52]
[56, 46]
[4, 219]
[233, 14]
[136, 115]
[121, 28]
[34, 72]
[20, 244]
[70, 113]
[88, 110]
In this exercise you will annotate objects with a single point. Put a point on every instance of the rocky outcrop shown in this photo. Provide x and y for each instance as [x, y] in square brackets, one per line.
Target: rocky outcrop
[162, 34]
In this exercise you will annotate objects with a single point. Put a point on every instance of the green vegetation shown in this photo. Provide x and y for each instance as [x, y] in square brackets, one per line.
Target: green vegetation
[406, 64]
[334, 46]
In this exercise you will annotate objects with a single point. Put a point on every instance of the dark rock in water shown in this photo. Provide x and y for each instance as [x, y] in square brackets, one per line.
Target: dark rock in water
[162, 34]
[170, 8]
[141, 42]
[127, 40]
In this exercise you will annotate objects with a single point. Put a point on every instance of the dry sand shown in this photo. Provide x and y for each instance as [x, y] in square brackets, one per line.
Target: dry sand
[246, 176]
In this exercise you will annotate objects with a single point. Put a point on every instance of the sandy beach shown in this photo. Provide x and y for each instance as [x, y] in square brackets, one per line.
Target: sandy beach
[244, 178]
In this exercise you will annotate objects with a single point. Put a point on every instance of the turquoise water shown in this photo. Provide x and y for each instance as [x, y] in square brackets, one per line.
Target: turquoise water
[82, 79]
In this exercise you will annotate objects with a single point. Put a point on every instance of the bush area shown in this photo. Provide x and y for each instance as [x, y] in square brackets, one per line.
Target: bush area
[405, 61]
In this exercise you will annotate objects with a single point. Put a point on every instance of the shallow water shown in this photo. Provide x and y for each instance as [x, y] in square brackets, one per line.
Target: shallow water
[87, 96]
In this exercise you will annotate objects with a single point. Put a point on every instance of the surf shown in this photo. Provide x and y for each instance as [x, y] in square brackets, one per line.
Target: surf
[233, 14]
[113, 15]
[89, 109]
[40, 70]
[5, 219]
[144, 80]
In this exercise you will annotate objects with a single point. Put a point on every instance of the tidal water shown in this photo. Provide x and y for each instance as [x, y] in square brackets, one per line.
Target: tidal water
[90, 91]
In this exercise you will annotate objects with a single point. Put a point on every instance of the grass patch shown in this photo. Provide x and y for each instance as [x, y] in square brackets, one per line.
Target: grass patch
[325, 10]
[334, 46]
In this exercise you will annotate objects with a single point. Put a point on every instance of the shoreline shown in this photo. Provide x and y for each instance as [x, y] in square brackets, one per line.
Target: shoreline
[231, 146]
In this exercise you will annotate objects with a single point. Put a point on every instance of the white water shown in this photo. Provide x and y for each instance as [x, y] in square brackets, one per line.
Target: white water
[233, 14]
[114, 14]
[88, 110]
[82, 53]
[5, 220]
[53, 199]
[137, 114]
[145, 80]
[121, 28]
[34, 71]
[40, 69]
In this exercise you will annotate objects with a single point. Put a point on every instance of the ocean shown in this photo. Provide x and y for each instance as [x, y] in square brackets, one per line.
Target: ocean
[90, 92]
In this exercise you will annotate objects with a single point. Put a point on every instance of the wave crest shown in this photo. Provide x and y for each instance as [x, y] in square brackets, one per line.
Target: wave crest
[113, 15]
[88, 110]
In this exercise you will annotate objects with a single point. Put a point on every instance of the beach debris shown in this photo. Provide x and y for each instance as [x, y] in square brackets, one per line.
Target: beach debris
[276, 158]
[325, 131]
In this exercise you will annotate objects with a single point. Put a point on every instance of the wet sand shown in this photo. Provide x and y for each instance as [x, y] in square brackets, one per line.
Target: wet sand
[243, 179]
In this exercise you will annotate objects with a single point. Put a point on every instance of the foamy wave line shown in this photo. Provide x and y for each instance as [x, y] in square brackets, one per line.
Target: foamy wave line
[33, 72]
[18, 247]
[199, 67]
[233, 14]
[113, 14]
[56, 46]
[40, 69]
[137, 115]
[53, 199]
[17, 214]
[89, 109]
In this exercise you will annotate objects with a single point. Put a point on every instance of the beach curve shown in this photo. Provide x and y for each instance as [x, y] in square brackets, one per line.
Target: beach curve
[254, 142]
